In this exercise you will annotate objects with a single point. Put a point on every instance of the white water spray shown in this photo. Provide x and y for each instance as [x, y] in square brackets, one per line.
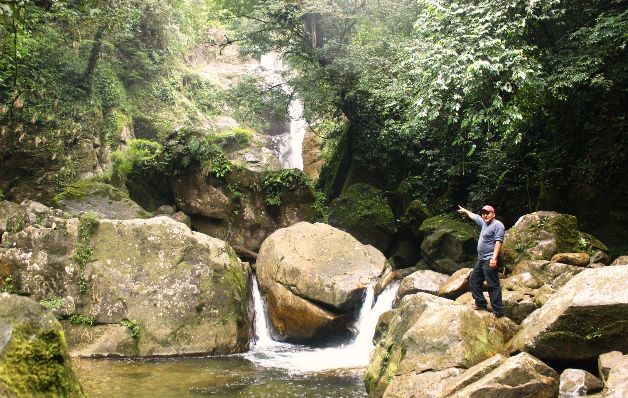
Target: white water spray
[289, 143]
[296, 358]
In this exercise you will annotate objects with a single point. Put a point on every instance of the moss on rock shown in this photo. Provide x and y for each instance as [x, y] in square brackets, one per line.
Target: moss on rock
[540, 235]
[34, 359]
[362, 211]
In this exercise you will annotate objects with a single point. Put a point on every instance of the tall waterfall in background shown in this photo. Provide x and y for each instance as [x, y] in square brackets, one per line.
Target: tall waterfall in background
[289, 143]
[297, 358]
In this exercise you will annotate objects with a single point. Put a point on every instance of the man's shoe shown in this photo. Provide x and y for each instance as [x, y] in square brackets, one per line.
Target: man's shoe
[499, 314]
[478, 308]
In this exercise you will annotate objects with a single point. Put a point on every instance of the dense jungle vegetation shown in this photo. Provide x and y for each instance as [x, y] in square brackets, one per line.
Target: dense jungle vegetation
[520, 103]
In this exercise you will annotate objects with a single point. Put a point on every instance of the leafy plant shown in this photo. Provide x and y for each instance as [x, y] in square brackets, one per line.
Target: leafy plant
[274, 183]
[133, 327]
[88, 225]
[190, 149]
[53, 303]
[78, 319]
[8, 286]
[138, 156]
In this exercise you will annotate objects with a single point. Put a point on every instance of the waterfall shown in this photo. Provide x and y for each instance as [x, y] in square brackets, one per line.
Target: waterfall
[262, 334]
[298, 358]
[289, 143]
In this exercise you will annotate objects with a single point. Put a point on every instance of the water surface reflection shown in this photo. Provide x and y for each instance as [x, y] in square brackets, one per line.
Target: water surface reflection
[211, 377]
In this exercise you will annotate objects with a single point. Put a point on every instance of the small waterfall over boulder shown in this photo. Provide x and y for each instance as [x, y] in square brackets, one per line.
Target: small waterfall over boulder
[302, 359]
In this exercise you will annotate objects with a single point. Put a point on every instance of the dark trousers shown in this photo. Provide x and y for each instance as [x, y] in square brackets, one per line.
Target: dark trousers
[483, 271]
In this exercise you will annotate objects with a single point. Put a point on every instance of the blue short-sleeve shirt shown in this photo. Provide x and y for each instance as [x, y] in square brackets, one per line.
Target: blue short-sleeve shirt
[489, 234]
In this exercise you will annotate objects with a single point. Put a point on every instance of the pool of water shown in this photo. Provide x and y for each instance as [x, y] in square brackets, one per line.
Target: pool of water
[233, 376]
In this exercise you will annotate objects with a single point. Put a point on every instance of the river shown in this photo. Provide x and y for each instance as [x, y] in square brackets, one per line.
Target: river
[269, 369]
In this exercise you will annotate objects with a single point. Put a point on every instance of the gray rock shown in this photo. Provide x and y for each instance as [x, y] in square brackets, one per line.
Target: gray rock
[430, 333]
[449, 245]
[182, 218]
[12, 217]
[102, 199]
[472, 374]
[34, 360]
[540, 235]
[165, 209]
[420, 385]
[600, 256]
[234, 208]
[617, 383]
[186, 292]
[621, 260]
[456, 285]
[549, 273]
[577, 259]
[518, 305]
[578, 382]
[606, 361]
[316, 264]
[421, 281]
[518, 376]
[585, 318]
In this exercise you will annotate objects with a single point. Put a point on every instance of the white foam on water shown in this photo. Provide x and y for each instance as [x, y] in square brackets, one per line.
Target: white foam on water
[301, 359]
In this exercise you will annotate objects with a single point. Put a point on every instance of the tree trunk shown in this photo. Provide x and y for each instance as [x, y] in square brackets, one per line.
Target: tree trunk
[88, 77]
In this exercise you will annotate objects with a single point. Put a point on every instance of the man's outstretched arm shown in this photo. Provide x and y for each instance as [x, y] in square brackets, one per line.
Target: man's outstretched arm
[469, 214]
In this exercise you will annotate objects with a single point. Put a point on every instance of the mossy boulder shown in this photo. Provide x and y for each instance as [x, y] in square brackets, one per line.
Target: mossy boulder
[413, 218]
[362, 211]
[428, 334]
[103, 199]
[174, 290]
[34, 358]
[588, 316]
[541, 235]
[449, 244]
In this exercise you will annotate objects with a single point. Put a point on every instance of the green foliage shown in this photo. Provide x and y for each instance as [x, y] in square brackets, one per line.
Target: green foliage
[53, 303]
[16, 222]
[140, 155]
[83, 254]
[252, 103]
[8, 286]
[88, 225]
[78, 319]
[188, 150]
[274, 183]
[234, 137]
[133, 327]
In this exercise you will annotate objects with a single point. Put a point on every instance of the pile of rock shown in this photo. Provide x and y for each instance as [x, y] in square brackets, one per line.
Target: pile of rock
[564, 312]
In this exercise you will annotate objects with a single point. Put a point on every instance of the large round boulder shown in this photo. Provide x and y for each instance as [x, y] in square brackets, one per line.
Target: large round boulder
[362, 211]
[313, 277]
[34, 360]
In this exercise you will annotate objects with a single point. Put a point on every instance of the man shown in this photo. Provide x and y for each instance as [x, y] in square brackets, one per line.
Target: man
[489, 246]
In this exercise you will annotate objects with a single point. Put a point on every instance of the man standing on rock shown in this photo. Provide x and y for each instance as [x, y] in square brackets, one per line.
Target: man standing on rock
[489, 245]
